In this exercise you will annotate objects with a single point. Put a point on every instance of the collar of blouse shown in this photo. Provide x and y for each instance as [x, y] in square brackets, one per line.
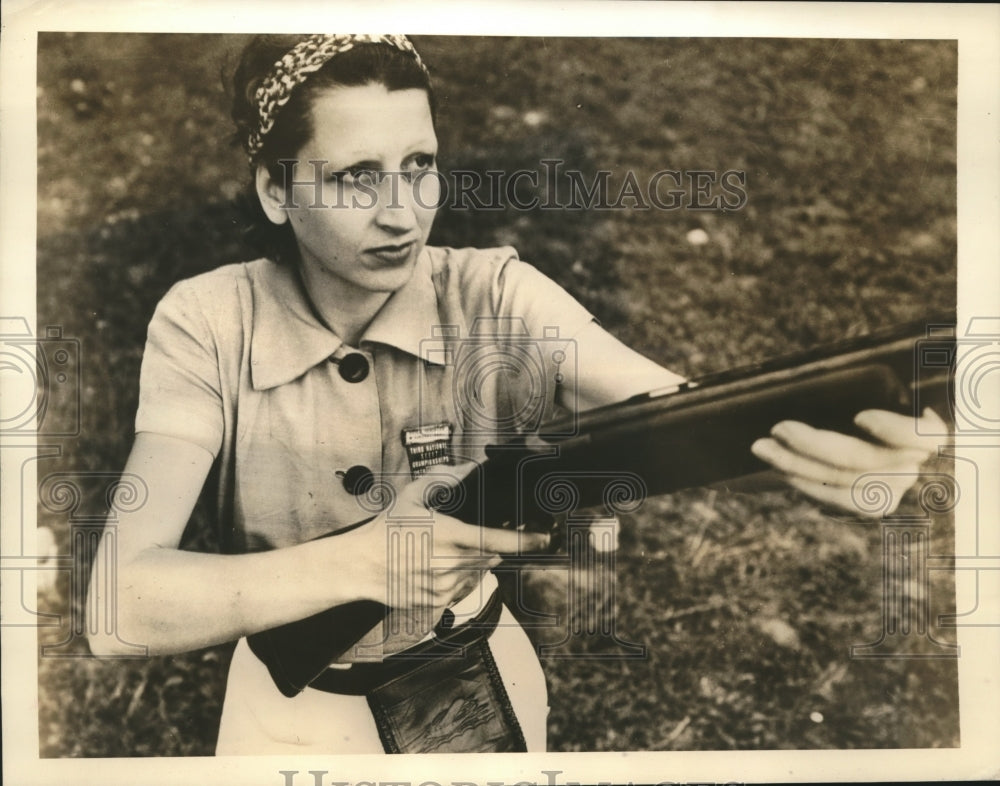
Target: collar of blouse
[288, 340]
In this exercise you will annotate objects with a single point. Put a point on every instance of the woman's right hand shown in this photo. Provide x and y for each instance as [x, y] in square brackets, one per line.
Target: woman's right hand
[166, 600]
[451, 556]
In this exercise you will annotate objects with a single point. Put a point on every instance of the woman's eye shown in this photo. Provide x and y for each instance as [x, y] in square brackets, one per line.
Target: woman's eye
[357, 175]
[424, 161]
[364, 175]
[372, 177]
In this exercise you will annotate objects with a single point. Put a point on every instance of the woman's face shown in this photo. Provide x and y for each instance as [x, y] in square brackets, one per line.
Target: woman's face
[362, 212]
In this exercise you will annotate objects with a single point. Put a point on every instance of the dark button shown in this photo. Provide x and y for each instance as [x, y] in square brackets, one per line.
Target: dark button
[353, 367]
[357, 480]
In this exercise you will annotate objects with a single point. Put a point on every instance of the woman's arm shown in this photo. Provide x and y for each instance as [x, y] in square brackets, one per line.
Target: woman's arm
[607, 372]
[169, 600]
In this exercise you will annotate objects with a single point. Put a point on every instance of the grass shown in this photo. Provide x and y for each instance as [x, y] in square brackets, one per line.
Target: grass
[747, 605]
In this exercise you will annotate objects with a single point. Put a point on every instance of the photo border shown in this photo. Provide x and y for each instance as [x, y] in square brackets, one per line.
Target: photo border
[977, 29]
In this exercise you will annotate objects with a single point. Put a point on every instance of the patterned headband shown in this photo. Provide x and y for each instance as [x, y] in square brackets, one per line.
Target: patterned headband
[305, 58]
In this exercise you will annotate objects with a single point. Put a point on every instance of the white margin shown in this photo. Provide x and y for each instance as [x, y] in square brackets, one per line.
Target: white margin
[976, 27]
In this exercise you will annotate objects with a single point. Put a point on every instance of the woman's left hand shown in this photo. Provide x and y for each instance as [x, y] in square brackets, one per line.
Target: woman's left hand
[826, 465]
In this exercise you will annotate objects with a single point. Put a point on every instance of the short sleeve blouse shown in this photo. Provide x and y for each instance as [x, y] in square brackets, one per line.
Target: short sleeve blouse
[237, 362]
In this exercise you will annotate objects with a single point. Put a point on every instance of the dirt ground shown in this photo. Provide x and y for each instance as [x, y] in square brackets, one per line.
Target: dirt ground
[746, 605]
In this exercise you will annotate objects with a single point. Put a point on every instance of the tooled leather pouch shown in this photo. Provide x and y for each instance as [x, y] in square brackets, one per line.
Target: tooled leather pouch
[451, 704]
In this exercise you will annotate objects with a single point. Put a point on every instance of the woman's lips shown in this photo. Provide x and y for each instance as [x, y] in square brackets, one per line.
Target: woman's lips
[393, 254]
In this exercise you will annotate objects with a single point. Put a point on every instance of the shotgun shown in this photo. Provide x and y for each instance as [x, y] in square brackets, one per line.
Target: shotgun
[697, 433]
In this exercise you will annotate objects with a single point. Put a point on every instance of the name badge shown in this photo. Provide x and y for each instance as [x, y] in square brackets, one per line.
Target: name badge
[427, 446]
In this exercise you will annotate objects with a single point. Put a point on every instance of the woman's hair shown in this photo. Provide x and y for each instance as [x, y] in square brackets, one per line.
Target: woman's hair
[363, 64]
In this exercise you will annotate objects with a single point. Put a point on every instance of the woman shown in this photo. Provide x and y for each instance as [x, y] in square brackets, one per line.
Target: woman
[300, 384]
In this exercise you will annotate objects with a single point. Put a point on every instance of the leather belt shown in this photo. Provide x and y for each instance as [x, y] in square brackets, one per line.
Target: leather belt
[361, 678]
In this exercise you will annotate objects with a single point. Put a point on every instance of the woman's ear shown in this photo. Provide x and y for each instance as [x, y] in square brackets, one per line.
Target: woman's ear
[271, 195]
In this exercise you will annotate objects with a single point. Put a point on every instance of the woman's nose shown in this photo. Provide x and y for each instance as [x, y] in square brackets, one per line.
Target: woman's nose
[396, 208]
